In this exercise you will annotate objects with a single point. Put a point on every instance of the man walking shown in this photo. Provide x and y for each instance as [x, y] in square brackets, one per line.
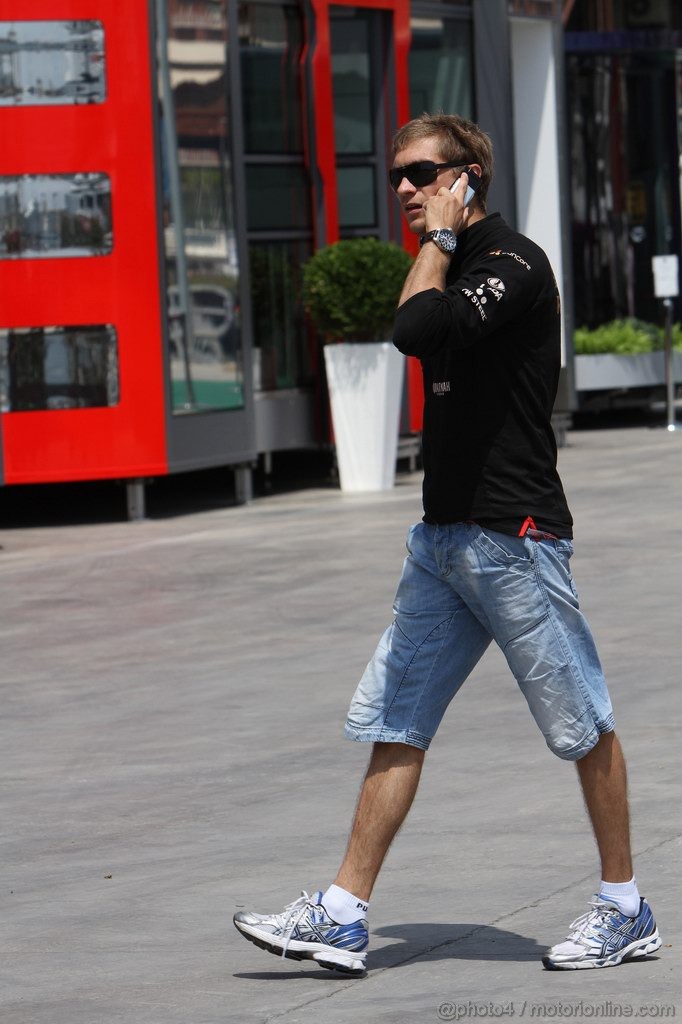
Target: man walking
[490, 560]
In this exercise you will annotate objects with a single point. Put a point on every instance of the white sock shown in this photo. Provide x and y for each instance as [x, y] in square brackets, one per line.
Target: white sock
[342, 906]
[624, 894]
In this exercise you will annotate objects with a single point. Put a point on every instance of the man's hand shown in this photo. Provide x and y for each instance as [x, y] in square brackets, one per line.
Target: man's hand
[446, 209]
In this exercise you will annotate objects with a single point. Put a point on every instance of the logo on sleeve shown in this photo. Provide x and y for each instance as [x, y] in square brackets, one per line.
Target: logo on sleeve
[478, 302]
[441, 387]
[514, 256]
[496, 287]
[493, 285]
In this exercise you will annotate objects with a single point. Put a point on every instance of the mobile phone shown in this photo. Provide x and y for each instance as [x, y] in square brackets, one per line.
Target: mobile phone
[474, 182]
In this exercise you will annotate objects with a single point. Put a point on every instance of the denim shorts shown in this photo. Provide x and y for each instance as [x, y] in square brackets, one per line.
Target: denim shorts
[461, 587]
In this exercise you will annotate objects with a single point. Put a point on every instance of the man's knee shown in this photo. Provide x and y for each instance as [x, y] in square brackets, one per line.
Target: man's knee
[567, 748]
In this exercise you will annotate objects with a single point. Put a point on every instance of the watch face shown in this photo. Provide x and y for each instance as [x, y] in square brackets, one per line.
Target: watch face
[445, 240]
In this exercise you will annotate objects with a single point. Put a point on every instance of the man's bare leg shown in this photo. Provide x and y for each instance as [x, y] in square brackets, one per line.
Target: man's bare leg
[385, 798]
[604, 781]
[603, 777]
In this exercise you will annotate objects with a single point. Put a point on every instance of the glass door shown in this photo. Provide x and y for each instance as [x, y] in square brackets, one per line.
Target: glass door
[625, 179]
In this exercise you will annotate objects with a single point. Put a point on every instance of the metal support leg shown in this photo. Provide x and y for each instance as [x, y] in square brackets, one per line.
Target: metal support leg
[669, 372]
[135, 495]
[267, 471]
[243, 482]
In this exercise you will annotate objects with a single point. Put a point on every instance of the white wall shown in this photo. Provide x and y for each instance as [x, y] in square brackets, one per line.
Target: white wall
[536, 143]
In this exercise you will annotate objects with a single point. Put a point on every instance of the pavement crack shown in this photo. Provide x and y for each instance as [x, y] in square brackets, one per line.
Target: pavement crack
[317, 999]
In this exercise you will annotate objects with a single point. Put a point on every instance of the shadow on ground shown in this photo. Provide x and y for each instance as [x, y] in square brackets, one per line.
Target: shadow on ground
[454, 942]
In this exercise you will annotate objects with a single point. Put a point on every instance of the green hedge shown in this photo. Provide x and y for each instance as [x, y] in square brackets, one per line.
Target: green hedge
[351, 289]
[627, 337]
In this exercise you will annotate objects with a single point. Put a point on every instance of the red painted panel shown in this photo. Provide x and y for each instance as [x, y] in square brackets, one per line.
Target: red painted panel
[323, 118]
[123, 288]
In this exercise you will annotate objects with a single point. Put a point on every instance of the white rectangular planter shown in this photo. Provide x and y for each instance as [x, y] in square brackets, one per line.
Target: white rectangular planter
[607, 372]
[365, 390]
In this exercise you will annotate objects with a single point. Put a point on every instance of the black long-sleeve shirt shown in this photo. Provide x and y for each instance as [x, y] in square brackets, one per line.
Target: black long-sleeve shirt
[490, 347]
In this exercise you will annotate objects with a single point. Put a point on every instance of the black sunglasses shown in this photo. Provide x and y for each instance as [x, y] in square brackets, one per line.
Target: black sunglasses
[424, 172]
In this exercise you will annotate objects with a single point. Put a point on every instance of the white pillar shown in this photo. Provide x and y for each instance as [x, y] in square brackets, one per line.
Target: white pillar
[536, 140]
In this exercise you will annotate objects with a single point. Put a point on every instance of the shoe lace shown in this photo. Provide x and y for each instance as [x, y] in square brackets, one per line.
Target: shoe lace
[290, 917]
[590, 919]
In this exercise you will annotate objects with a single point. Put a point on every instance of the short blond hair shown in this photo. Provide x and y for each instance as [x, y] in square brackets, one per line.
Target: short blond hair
[458, 139]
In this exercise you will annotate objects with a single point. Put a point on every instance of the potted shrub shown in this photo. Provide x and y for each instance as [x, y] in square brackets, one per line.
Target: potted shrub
[351, 291]
[625, 353]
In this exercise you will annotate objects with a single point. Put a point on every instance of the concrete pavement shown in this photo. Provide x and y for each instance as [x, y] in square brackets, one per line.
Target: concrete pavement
[171, 747]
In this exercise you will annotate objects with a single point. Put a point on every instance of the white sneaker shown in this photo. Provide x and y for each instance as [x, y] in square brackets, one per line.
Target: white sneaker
[305, 931]
[604, 937]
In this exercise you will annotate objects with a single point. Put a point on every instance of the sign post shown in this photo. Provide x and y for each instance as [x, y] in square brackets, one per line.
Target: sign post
[666, 287]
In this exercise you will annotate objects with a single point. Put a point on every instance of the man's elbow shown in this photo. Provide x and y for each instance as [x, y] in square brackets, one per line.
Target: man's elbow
[406, 341]
[416, 338]
[420, 326]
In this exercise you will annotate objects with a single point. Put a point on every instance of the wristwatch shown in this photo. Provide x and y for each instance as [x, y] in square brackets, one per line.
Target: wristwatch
[445, 239]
